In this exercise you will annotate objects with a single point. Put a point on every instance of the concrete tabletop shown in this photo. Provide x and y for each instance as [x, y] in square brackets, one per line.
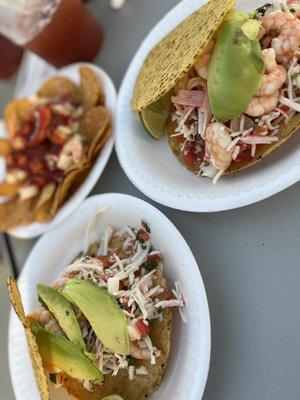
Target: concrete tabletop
[248, 258]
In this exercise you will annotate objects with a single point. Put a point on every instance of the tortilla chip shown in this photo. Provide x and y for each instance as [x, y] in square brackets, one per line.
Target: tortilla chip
[262, 151]
[59, 86]
[143, 385]
[96, 127]
[16, 212]
[15, 113]
[91, 91]
[69, 185]
[9, 189]
[177, 53]
[5, 147]
[36, 359]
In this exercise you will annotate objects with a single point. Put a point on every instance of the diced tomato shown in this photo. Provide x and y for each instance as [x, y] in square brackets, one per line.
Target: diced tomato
[105, 261]
[142, 327]
[143, 235]
[154, 259]
[26, 129]
[41, 126]
[190, 155]
[245, 155]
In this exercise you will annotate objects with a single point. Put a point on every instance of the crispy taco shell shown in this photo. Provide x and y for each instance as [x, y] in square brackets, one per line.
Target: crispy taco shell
[36, 359]
[16, 112]
[177, 53]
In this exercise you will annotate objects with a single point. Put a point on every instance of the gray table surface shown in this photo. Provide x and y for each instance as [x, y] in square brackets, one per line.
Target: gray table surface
[248, 258]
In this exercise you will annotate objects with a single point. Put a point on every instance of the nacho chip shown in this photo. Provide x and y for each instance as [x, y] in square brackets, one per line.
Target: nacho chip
[99, 142]
[177, 53]
[9, 189]
[15, 113]
[91, 91]
[94, 125]
[143, 385]
[5, 147]
[37, 363]
[59, 86]
[69, 185]
[16, 213]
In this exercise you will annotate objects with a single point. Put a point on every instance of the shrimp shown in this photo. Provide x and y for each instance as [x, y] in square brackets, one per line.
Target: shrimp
[137, 352]
[71, 153]
[217, 140]
[202, 66]
[275, 77]
[44, 318]
[287, 28]
[262, 105]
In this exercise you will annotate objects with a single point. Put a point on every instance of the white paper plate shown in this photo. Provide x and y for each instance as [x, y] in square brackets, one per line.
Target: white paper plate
[188, 366]
[152, 168]
[72, 72]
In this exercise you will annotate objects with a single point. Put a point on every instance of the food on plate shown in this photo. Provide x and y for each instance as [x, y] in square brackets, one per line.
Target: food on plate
[104, 326]
[232, 79]
[54, 139]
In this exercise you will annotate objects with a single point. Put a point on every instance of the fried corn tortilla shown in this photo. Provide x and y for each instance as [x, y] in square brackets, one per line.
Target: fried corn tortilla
[36, 359]
[16, 213]
[57, 86]
[5, 147]
[177, 53]
[91, 91]
[95, 126]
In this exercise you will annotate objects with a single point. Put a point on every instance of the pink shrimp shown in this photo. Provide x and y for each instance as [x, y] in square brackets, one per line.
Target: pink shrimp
[217, 140]
[287, 29]
[137, 352]
[275, 77]
[202, 66]
[261, 105]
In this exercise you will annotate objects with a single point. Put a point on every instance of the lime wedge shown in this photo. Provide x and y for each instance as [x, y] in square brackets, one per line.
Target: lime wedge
[155, 116]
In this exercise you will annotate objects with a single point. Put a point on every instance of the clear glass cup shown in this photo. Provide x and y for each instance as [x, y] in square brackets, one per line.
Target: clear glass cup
[60, 31]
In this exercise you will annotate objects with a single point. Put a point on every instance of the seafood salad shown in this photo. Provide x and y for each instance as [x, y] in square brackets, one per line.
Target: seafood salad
[109, 313]
[54, 137]
[225, 92]
[211, 147]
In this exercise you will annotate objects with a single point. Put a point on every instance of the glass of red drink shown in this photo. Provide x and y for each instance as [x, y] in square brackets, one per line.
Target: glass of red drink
[59, 31]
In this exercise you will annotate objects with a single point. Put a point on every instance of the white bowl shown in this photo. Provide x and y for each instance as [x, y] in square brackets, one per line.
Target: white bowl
[188, 366]
[152, 168]
[72, 72]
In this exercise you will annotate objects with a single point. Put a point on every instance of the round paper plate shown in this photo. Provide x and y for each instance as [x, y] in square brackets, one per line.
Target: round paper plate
[187, 369]
[72, 72]
[153, 169]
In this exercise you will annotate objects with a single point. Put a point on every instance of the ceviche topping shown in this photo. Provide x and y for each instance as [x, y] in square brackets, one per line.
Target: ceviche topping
[126, 264]
[210, 147]
[46, 145]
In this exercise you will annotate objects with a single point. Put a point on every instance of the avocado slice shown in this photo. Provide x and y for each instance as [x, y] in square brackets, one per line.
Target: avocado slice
[112, 397]
[59, 352]
[235, 72]
[102, 311]
[63, 311]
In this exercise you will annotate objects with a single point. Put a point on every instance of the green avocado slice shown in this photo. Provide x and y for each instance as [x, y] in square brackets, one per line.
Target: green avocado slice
[59, 352]
[102, 311]
[235, 72]
[63, 311]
